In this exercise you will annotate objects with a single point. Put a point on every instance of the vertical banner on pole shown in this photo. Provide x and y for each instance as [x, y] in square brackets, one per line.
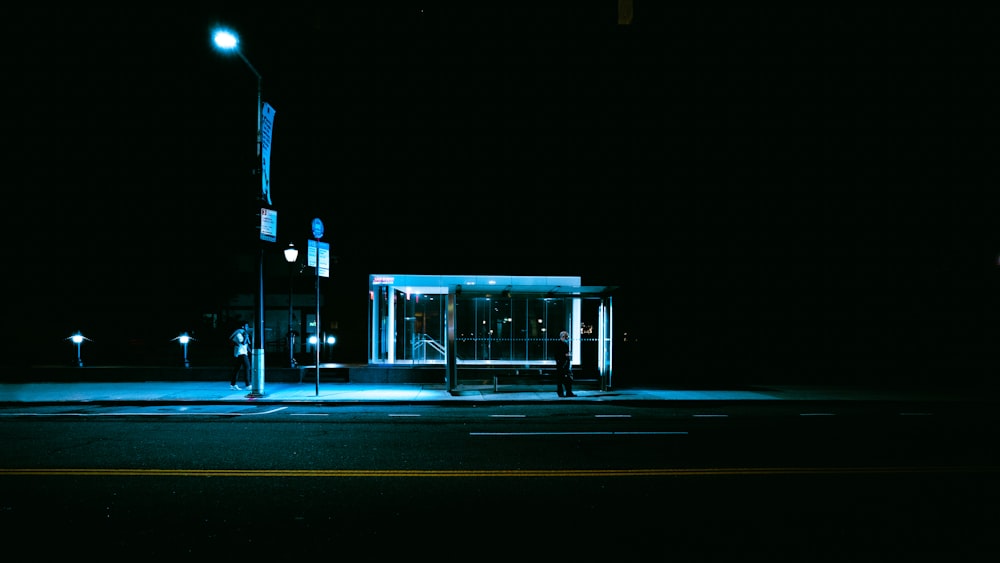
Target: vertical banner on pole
[266, 126]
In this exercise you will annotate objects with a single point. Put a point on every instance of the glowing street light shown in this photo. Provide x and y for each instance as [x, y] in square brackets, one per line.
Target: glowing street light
[330, 341]
[184, 339]
[78, 339]
[228, 42]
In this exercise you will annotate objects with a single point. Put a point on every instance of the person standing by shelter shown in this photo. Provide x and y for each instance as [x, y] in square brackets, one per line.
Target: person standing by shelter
[241, 352]
[564, 371]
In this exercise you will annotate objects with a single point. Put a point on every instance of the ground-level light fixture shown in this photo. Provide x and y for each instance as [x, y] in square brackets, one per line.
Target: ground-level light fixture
[184, 339]
[78, 338]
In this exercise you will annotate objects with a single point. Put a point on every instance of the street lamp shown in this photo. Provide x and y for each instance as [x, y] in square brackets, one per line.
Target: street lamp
[314, 342]
[291, 255]
[228, 42]
[184, 338]
[78, 339]
[330, 341]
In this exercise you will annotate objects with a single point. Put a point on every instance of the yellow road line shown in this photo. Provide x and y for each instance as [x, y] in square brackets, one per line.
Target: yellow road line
[401, 473]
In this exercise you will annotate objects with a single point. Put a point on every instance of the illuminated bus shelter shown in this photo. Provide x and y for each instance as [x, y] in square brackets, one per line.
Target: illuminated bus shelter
[487, 322]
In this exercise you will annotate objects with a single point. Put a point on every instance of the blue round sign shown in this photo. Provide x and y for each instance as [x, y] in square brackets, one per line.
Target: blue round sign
[317, 228]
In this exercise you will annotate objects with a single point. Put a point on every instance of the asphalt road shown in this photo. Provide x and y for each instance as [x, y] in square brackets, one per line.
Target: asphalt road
[749, 482]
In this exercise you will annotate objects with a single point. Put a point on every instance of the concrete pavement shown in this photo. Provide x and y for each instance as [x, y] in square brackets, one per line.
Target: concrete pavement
[348, 392]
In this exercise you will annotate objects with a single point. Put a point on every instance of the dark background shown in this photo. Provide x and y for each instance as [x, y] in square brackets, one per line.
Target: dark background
[780, 194]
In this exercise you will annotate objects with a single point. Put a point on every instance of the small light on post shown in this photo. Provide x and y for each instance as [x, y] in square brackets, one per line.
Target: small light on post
[313, 341]
[184, 339]
[291, 253]
[330, 341]
[78, 338]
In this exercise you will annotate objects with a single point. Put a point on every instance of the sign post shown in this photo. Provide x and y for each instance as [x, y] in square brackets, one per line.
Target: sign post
[318, 257]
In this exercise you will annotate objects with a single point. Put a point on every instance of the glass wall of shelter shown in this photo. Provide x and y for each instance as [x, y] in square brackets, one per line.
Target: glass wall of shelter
[488, 321]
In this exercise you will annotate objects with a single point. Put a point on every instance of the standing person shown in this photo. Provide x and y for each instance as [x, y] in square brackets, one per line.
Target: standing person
[241, 351]
[564, 372]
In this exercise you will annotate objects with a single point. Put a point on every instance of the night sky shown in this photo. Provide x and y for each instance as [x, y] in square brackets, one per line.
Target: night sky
[770, 190]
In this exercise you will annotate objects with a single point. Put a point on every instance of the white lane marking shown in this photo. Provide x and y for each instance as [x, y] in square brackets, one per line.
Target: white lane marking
[612, 416]
[576, 433]
[710, 415]
[308, 414]
[508, 416]
[263, 412]
[127, 413]
[398, 415]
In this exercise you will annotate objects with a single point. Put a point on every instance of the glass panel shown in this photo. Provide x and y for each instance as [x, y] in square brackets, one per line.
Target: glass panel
[403, 329]
[535, 325]
[501, 337]
[428, 337]
[590, 320]
[420, 321]
[380, 330]
[557, 318]
[508, 329]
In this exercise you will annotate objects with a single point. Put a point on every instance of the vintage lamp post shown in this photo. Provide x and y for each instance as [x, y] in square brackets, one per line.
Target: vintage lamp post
[291, 255]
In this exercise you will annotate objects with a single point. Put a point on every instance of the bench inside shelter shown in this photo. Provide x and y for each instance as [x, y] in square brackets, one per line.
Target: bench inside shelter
[515, 373]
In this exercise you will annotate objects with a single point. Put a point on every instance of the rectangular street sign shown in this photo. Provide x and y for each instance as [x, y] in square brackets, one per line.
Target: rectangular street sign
[324, 259]
[268, 224]
[321, 249]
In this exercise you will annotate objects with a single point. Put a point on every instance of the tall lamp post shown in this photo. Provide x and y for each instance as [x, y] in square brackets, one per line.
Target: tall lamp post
[291, 255]
[227, 41]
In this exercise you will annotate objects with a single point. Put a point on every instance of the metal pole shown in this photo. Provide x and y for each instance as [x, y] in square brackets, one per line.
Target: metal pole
[317, 320]
[257, 354]
[291, 335]
[451, 367]
[257, 371]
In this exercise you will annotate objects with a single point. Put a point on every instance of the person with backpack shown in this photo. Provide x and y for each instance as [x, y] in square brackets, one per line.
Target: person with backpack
[564, 369]
[241, 351]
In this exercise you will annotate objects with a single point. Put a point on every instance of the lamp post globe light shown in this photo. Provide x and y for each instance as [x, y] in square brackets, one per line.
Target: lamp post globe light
[330, 341]
[291, 255]
[184, 339]
[227, 41]
[78, 338]
[314, 342]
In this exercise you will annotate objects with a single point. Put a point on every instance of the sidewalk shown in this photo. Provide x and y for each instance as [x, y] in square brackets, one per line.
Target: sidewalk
[334, 392]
